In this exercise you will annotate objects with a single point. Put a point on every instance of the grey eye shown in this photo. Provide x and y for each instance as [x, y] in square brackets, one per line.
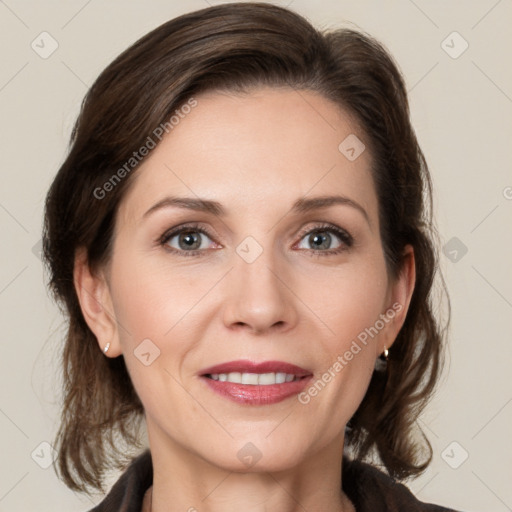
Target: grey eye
[320, 240]
[188, 240]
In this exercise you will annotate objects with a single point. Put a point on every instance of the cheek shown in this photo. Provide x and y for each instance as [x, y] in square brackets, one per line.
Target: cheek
[150, 299]
[348, 299]
[150, 304]
[159, 312]
[350, 303]
[348, 354]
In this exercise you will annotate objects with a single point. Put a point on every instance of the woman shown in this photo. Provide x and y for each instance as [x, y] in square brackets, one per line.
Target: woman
[240, 238]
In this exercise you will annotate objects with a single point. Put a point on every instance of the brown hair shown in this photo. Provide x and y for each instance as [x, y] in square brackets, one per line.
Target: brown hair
[235, 47]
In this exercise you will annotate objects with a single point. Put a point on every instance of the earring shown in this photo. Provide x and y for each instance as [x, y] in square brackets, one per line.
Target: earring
[107, 346]
[381, 362]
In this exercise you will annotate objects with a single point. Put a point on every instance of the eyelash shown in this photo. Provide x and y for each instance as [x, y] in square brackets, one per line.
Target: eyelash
[344, 236]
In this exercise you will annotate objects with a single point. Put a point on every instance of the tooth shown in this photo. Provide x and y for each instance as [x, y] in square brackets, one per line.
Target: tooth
[280, 377]
[249, 378]
[267, 378]
[254, 379]
[235, 377]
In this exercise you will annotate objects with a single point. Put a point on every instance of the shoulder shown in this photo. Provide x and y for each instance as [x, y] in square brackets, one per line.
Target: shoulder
[127, 493]
[370, 489]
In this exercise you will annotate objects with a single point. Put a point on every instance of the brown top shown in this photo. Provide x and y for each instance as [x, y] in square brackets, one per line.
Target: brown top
[369, 489]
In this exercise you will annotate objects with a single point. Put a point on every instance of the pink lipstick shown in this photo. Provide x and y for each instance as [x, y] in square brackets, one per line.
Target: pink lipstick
[253, 383]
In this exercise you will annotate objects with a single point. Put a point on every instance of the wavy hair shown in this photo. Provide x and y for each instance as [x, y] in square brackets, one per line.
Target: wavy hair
[236, 47]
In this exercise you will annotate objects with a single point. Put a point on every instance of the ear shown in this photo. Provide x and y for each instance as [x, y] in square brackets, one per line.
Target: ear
[96, 304]
[399, 298]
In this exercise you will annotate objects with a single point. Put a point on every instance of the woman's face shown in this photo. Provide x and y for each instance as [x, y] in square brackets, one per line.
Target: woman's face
[269, 272]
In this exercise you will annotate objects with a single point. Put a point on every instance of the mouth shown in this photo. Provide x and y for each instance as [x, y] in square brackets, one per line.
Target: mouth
[252, 383]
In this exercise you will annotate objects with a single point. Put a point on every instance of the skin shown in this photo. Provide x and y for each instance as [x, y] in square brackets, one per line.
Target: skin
[256, 154]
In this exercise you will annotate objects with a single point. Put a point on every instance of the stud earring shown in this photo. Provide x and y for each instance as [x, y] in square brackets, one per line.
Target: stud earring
[107, 346]
[381, 363]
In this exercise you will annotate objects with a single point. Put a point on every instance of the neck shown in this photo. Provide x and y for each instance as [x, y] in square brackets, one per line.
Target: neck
[190, 483]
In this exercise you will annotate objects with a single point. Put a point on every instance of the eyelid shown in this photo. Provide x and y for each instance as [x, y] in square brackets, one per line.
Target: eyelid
[345, 237]
[188, 226]
[327, 226]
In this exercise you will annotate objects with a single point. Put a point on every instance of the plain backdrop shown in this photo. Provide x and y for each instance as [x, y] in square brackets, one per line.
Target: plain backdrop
[455, 57]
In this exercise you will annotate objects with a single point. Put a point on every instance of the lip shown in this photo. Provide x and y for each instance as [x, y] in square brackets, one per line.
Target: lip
[246, 366]
[251, 394]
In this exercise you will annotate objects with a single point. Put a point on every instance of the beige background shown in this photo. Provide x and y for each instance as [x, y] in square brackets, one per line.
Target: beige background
[461, 109]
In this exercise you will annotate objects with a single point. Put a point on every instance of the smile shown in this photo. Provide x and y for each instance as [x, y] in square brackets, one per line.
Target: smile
[256, 383]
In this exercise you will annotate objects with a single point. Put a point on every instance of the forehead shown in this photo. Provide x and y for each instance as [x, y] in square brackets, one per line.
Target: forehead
[261, 149]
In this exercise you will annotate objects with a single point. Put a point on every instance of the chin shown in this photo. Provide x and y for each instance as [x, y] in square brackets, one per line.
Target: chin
[257, 455]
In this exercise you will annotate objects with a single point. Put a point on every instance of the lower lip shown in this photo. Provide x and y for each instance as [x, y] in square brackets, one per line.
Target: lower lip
[257, 395]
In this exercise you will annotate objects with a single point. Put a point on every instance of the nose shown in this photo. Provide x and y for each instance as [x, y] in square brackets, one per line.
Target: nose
[259, 296]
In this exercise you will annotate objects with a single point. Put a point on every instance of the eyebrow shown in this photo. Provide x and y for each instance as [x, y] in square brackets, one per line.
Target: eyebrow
[302, 205]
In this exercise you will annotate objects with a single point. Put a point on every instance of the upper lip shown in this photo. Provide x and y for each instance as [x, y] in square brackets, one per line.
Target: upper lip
[246, 366]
